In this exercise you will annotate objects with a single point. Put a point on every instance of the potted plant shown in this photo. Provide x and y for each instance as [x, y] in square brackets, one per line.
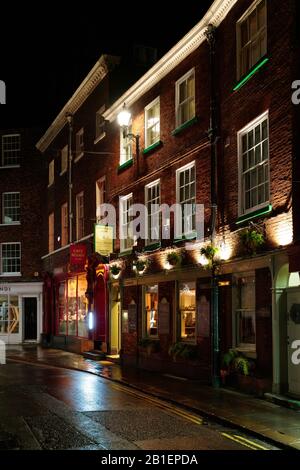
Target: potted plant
[251, 240]
[183, 350]
[174, 258]
[236, 366]
[115, 270]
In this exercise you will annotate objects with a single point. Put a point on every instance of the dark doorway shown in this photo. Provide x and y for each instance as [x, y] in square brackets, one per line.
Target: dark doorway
[30, 318]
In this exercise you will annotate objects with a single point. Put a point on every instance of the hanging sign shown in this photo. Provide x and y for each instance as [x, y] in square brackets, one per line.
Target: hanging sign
[78, 255]
[104, 239]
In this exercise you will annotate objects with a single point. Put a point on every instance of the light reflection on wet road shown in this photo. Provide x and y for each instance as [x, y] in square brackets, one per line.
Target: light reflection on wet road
[51, 408]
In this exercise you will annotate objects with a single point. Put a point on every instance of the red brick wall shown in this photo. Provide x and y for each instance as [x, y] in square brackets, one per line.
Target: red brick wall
[29, 181]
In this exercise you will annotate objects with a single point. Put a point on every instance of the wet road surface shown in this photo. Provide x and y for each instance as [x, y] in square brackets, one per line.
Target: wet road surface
[44, 407]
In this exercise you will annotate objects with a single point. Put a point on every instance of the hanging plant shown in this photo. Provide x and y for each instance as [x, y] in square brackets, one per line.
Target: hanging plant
[251, 240]
[174, 258]
[210, 253]
[140, 265]
[115, 270]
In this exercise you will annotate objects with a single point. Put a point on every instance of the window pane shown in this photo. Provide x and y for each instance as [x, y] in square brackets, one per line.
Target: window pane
[187, 307]
[62, 317]
[82, 307]
[72, 306]
[244, 33]
[151, 308]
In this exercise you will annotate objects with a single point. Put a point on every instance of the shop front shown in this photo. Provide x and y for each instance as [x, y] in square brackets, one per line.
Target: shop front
[171, 314]
[20, 312]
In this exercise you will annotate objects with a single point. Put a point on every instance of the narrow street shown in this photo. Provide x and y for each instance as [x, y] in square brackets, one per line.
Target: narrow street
[44, 407]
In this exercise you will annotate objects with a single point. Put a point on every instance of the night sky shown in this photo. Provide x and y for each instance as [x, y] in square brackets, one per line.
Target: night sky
[46, 51]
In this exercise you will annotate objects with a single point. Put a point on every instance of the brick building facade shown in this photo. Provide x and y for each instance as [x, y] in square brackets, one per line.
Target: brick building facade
[21, 283]
[238, 90]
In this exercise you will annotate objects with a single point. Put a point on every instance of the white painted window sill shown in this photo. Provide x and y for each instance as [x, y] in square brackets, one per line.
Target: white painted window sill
[8, 225]
[10, 275]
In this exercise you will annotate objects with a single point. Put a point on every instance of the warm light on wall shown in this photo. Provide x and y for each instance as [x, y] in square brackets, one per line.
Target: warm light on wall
[281, 233]
[225, 251]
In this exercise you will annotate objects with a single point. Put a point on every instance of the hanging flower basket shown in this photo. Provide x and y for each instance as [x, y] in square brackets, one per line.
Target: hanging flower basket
[174, 258]
[115, 270]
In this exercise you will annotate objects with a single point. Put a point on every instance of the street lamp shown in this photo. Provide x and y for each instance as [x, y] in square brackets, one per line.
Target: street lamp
[124, 118]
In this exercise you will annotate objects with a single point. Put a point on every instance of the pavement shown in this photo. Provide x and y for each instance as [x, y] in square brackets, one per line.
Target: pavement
[258, 417]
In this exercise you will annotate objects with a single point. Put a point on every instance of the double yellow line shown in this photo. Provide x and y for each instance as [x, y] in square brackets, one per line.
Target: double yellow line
[185, 415]
[244, 442]
[160, 404]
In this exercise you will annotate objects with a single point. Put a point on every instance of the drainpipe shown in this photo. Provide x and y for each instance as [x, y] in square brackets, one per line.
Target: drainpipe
[213, 139]
[69, 118]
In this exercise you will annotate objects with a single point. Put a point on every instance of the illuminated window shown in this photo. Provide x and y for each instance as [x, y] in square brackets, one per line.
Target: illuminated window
[11, 208]
[244, 307]
[9, 314]
[151, 308]
[11, 150]
[125, 220]
[51, 232]
[64, 159]
[187, 308]
[185, 98]
[79, 216]
[254, 165]
[51, 173]
[100, 196]
[125, 146]
[252, 37]
[73, 307]
[152, 200]
[64, 224]
[186, 197]
[152, 123]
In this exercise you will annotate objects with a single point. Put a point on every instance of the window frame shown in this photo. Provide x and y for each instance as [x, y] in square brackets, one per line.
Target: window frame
[64, 224]
[128, 144]
[241, 193]
[248, 12]
[151, 105]
[99, 135]
[51, 232]
[180, 228]
[79, 196]
[14, 165]
[182, 79]
[145, 312]
[10, 273]
[179, 317]
[122, 200]
[64, 154]
[236, 308]
[79, 145]
[51, 173]
[148, 186]
[100, 181]
[16, 222]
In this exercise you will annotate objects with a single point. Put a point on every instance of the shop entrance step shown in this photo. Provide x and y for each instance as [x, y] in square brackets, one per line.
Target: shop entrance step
[94, 355]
